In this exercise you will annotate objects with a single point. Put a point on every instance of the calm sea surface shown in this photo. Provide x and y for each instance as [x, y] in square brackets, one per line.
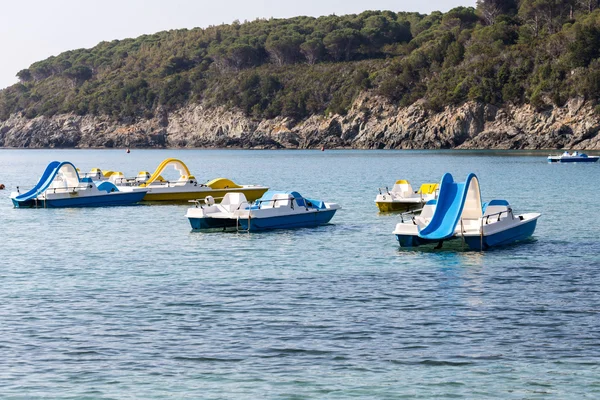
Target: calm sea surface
[127, 303]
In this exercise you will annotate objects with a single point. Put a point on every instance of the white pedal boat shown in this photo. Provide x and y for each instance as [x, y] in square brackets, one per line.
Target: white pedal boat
[61, 186]
[403, 198]
[572, 158]
[274, 210]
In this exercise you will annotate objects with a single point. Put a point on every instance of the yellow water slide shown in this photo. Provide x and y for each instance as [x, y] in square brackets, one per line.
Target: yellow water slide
[187, 188]
[177, 164]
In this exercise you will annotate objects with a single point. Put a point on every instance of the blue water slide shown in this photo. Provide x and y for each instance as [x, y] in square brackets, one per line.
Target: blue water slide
[450, 204]
[45, 181]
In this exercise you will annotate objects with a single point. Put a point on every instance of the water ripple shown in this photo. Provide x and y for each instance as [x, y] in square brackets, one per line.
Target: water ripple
[118, 303]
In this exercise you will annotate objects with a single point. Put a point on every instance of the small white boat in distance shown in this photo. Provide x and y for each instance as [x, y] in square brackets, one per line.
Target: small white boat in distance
[572, 158]
[403, 198]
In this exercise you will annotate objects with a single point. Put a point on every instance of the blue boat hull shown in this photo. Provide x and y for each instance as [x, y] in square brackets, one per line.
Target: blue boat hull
[105, 200]
[414, 241]
[289, 221]
[211, 223]
[574, 160]
[503, 238]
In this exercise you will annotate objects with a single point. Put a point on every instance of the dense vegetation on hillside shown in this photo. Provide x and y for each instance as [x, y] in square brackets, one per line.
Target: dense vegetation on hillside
[540, 52]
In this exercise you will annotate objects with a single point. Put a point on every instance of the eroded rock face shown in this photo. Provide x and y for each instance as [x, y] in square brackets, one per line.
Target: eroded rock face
[371, 123]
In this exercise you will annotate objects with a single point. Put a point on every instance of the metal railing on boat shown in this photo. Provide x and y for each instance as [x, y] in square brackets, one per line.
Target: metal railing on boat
[387, 190]
[136, 182]
[412, 214]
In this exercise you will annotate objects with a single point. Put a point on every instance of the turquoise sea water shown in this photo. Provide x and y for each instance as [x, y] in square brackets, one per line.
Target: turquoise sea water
[127, 303]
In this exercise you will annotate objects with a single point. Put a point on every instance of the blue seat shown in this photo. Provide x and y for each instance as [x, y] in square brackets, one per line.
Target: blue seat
[108, 187]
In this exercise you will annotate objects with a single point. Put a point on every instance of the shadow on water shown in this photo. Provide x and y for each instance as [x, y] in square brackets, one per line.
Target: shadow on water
[459, 246]
[303, 232]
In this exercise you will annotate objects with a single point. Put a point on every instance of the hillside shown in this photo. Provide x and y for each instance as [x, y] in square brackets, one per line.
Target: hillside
[534, 55]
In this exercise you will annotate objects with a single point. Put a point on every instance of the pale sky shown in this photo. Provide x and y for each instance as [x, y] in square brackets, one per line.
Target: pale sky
[33, 30]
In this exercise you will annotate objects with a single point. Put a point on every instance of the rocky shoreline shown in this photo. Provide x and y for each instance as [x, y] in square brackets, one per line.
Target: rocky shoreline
[371, 123]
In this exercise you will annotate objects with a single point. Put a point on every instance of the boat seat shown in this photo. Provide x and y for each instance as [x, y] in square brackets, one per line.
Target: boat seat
[420, 221]
[297, 199]
[426, 213]
[107, 187]
[117, 177]
[278, 200]
[494, 207]
[231, 201]
[403, 188]
[281, 203]
[429, 209]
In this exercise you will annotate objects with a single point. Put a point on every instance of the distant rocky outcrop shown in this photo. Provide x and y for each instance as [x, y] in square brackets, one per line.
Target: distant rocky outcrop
[371, 123]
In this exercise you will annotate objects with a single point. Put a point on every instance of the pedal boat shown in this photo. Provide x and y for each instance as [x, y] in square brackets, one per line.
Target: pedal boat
[186, 187]
[572, 158]
[274, 210]
[403, 198]
[458, 214]
[100, 175]
[61, 186]
[96, 174]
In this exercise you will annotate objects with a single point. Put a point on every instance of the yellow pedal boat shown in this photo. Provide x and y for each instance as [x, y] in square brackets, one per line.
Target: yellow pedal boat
[186, 187]
[403, 198]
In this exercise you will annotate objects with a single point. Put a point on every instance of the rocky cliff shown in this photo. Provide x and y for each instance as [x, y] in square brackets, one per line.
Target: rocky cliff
[372, 123]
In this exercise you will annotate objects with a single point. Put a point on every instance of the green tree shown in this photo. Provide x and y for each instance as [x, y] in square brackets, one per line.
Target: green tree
[24, 75]
[341, 43]
[490, 10]
[78, 74]
[313, 50]
[284, 49]
[586, 45]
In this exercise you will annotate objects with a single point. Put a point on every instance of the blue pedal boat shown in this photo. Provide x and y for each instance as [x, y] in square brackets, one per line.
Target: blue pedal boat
[60, 186]
[274, 210]
[458, 214]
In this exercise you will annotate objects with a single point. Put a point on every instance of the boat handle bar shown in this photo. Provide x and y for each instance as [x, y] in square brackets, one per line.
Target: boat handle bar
[410, 214]
[73, 188]
[499, 214]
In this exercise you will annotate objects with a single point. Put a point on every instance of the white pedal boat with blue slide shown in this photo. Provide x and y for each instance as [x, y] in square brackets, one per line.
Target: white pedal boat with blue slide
[61, 186]
[458, 213]
[274, 210]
